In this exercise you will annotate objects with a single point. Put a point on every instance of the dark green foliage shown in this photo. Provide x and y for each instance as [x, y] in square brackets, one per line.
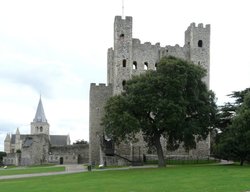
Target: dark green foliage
[234, 142]
[228, 110]
[2, 154]
[18, 151]
[172, 102]
[80, 142]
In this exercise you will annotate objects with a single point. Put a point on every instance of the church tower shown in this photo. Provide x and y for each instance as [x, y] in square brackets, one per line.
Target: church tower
[40, 124]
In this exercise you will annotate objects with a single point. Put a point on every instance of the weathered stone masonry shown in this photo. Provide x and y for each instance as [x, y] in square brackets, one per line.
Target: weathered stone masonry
[130, 57]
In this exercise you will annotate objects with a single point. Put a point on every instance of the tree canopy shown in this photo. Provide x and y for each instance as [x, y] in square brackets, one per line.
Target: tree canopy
[80, 141]
[2, 154]
[227, 111]
[234, 141]
[171, 102]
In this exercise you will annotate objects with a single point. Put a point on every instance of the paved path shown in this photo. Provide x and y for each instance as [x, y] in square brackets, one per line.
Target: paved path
[226, 162]
[69, 169]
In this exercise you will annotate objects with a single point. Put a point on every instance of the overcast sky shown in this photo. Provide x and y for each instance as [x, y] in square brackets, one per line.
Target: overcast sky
[57, 48]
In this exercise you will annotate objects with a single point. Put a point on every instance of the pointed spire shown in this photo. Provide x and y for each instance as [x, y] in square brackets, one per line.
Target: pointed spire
[7, 138]
[17, 131]
[40, 115]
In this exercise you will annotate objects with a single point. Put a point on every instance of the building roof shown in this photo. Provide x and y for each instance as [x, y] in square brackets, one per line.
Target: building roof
[40, 115]
[55, 140]
[13, 138]
[58, 140]
[28, 142]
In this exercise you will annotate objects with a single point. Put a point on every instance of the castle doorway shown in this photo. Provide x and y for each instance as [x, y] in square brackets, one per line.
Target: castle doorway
[79, 159]
[61, 160]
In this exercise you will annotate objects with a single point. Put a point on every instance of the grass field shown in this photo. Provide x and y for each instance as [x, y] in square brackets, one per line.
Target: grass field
[188, 178]
[29, 170]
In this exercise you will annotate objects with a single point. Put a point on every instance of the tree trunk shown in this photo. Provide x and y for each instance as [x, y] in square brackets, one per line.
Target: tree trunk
[161, 160]
[241, 162]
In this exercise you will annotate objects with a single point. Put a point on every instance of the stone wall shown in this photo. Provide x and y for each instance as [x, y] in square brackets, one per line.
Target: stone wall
[35, 150]
[70, 154]
[12, 159]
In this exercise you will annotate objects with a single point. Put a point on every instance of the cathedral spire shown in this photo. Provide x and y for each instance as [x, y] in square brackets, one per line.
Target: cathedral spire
[40, 115]
[17, 131]
[7, 137]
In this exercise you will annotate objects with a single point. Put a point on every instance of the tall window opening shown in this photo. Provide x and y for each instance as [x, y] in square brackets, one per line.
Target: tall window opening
[156, 66]
[123, 84]
[146, 66]
[124, 62]
[41, 129]
[134, 65]
[200, 43]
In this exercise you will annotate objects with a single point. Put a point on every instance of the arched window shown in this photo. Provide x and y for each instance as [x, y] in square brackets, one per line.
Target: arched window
[41, 129]
[123, 84]
[134, 65]
[146, 66]
[124, 62]
[156, 66]
[200, 43]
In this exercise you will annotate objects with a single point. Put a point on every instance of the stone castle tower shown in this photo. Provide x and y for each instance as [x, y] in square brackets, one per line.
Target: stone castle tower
[130, 57]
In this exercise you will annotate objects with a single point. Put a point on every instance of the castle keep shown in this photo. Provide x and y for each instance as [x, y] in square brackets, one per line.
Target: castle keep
[130, 57]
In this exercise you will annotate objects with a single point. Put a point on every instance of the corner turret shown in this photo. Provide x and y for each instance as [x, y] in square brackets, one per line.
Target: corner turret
[197, 40]
[7, 143]
[121, 63]
[18, 142]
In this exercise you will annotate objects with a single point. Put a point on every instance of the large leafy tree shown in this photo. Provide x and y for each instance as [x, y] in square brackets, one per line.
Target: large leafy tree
[234, 142]
[228, 110]
[224, 117]
[172, 102]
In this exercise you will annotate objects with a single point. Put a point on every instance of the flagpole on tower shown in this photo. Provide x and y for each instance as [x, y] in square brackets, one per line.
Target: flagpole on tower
[123, 17]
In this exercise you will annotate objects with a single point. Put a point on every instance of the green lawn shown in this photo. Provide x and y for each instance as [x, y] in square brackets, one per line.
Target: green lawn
[193, 178]
[29, 170]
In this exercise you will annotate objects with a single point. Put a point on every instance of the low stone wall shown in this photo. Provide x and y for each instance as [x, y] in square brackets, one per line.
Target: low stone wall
[70, 154]
[12, 159]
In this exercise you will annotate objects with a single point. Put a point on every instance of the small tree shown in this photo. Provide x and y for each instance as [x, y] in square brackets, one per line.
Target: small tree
[224, 119]
[77, 142]
[172, 102]
[2, 154]
[235, 141]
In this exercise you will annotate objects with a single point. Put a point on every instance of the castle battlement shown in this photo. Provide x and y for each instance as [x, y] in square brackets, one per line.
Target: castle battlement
[99, 85]
[119, 18]
[136, 41]
[199, 26]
